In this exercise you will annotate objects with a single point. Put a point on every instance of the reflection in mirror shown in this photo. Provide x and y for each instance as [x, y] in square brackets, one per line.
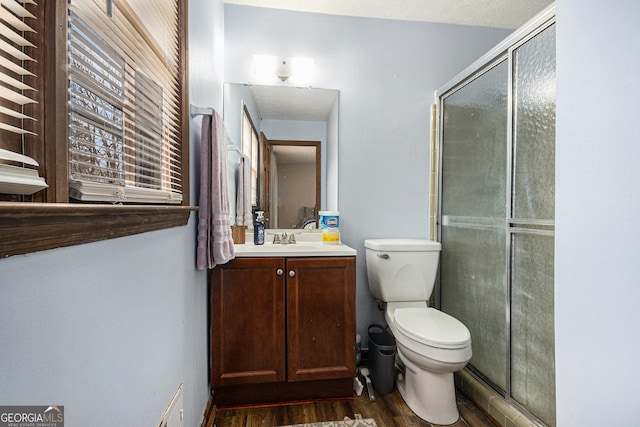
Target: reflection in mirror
[286, 116]
[292, 183]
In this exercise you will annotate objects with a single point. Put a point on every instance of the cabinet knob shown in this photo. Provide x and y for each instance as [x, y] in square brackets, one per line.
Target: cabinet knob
[279, 272]
[292, 273]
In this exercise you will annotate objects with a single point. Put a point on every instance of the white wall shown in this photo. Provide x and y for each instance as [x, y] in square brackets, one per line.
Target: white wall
[598, 201]
[386, 72]
[294, 180]
[103, 328]
[111, 329]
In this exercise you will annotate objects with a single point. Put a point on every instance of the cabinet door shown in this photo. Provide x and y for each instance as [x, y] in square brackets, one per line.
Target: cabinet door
[321, 322]
[247, 322]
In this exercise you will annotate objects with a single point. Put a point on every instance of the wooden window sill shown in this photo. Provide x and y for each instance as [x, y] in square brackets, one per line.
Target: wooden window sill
[32, 227]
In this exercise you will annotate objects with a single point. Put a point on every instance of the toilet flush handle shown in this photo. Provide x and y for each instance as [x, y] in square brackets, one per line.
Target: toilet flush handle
[383, 256]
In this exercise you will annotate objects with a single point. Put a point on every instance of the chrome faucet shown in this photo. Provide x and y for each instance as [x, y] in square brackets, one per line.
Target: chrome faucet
[284, 240]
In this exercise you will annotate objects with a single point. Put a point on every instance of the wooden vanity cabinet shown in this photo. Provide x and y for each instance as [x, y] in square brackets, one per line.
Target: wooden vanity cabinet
[321, 320]
[247, 316]
[282, 329]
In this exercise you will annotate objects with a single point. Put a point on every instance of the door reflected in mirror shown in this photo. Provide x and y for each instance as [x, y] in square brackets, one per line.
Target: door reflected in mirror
[292, 118]
[290, 182]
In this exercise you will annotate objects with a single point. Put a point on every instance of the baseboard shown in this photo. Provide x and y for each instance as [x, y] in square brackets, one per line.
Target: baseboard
[282, 392]
[209, 414]
[491, 402]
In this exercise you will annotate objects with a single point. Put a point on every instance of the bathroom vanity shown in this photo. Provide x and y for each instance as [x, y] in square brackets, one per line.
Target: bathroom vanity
[282, 324]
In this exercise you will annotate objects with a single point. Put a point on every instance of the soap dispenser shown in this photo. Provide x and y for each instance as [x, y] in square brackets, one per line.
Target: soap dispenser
[258, 229]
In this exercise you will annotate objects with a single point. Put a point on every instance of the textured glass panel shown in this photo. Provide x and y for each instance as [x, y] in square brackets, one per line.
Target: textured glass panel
[473, 277]
[532, 325]
[473, 274]
[474, 149]
[535, 127]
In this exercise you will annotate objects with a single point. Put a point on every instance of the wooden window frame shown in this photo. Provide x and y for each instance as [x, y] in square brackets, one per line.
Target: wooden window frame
[50, 221]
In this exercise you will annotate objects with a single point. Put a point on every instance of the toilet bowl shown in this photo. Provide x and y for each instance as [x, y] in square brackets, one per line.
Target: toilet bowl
[432, 345]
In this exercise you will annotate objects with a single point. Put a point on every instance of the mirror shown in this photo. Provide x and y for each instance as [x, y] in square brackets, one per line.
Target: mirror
[298, 130]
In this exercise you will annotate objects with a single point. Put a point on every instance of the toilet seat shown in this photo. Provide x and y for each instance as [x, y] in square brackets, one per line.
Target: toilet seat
[432, 327]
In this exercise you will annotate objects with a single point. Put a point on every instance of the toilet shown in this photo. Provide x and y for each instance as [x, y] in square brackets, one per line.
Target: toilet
[431, 344]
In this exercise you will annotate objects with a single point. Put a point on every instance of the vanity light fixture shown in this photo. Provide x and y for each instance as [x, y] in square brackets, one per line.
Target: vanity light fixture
[297, 70]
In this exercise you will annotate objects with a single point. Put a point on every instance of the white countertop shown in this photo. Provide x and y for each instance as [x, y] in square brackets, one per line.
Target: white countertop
[307, 245]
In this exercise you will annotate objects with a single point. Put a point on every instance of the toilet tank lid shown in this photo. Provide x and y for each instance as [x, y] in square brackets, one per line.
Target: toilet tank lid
[402, 245]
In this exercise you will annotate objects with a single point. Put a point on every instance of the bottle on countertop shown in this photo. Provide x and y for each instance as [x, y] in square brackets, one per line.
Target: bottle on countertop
[329, 224]
[258, 229]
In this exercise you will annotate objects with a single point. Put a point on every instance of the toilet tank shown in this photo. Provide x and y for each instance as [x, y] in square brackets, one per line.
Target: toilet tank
[401, 269]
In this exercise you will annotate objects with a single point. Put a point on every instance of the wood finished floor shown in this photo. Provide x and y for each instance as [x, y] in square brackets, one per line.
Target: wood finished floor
[388, 411]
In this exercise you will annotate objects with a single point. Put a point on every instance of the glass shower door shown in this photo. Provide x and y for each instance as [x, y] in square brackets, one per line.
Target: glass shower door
[473, 211]
[497, 202]
[531, 225]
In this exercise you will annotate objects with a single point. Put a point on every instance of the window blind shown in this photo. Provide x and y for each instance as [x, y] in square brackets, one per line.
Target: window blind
[124, 109]
[17, 173]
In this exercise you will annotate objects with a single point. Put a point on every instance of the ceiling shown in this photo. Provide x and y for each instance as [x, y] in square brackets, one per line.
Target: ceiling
[509, 14]
[295, 154]
[294, 103]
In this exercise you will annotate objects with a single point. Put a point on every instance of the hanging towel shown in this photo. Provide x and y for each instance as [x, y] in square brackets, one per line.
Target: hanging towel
[244, 215]
[215, 244]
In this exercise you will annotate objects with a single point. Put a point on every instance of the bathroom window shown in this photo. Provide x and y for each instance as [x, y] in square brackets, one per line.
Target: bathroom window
[107, 92]
[122, 144]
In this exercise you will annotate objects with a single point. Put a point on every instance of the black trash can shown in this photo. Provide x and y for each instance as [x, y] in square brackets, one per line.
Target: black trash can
[382, 355]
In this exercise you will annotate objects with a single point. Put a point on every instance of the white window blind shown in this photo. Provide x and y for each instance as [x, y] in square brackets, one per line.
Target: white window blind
[17, 173]
[124, 118]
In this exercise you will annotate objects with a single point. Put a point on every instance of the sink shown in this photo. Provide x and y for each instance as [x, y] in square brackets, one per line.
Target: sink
[293, 250]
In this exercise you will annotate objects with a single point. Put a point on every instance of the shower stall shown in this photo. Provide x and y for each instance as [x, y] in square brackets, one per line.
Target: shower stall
[496, 179]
